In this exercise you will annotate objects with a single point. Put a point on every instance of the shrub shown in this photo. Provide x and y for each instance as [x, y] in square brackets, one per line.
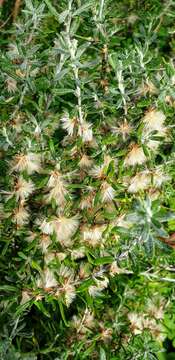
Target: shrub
[87, 167]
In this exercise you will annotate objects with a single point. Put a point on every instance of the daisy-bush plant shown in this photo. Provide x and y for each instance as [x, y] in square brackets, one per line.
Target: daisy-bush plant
[87, 180]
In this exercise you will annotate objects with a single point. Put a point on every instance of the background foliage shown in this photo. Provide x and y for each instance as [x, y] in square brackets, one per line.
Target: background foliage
[87, 180]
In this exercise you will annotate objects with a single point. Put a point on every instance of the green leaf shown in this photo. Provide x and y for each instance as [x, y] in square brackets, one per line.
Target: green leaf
[63, 91]
[104, 260]
[40, 306]
[102, 354]
[7, 288]
[85, 285]
[83, 8]
[52, 9]
[62, 313]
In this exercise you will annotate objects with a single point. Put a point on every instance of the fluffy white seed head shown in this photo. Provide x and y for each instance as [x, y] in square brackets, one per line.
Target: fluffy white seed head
[107, 192]
[135, 156]
[21, 216]
[30, 163]
[68, 123]
[23, 188]
[85, 131]
[141, 181]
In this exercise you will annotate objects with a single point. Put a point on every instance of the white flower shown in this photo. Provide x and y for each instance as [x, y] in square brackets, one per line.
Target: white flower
[106, 335]
[46, 227]
[17, 122]
[159, 177]
[13, 51]
[47, 280]
[30, 162]
[158, 332]
[60, 256]
[37, 130]
[132, 18]
[85, 162]
[135, 156]
[66, 273]
[136, 323]
[93, 235]
[69, 293]
[107, 192]
[140, 181]
[65, 228]
[124, 129]
[58, 189]
[68, 124]
[86, 202]
[98, 171]
[45, 242]
[23, 188]
[21, 216]
[94, 291]
[154, 120]
[85, 131]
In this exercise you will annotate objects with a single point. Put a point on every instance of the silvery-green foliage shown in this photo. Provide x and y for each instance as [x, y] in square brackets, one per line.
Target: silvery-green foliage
[87, 180]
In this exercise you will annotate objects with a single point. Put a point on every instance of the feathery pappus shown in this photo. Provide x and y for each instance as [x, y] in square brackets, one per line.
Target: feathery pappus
[57, 189]
[93, 235]
[123, 129]
[85, 131]
[135, 156]
[107, 192]
[69, 124]
[63, 227]
[23, 188]
[21, 215]
[30, 163]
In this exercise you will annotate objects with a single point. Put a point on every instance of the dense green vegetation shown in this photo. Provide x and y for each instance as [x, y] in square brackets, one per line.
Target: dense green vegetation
[87, 199]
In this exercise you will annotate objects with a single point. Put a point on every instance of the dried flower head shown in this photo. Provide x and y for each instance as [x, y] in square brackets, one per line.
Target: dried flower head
[159, 177]
[123, 129]
[95, 290]
[23, 188]
[44, 243]
[147, 87]
[85, 131]
[135, 156]
[11, 85]
[65, 228]
[107, 192]
[85, 162]
[136, 322]
[154, 120]
[98, 171]
[93, 235]
[57, 187]
[69, 293]
[21, 216]
[25, 296]
[68, 123]
[30, 163]
[141, 181]
[47, 280]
